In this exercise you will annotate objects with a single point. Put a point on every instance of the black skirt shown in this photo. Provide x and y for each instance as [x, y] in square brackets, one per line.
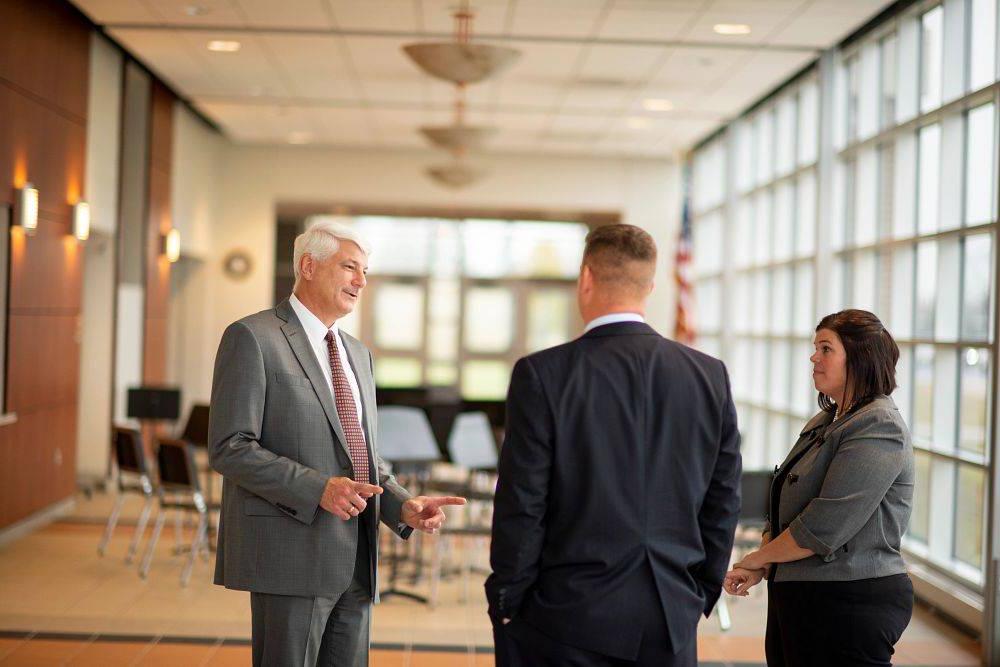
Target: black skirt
[837, 623]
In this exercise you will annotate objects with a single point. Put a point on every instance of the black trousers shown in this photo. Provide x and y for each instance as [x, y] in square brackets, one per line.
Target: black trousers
[837, 623]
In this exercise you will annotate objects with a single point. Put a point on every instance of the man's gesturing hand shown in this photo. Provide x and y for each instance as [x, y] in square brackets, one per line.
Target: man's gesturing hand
[345, 498]
[425, 513]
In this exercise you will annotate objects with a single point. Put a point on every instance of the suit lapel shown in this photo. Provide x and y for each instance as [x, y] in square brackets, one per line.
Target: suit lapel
[299, 342]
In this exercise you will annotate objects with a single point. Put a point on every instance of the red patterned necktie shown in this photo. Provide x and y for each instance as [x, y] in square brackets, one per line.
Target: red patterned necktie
[348, 413]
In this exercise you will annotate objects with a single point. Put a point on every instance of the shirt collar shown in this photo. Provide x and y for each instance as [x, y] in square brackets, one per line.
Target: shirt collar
[315, 329]
[613, 318]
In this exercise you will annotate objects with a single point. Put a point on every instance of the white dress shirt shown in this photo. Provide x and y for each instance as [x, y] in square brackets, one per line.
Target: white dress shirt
[316, 333]
[613, 318]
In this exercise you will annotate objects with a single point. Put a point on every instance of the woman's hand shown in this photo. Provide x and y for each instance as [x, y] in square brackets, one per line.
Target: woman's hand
[753, 561]
[739, 581]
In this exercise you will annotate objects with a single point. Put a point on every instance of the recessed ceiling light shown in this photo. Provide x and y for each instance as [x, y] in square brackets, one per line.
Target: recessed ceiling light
[299, 138]
[657, 104]
[731, 28]
[224, 46]
[637, 122]
[196, 10]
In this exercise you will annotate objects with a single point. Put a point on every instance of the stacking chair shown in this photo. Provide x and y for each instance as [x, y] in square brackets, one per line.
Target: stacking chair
[405, 440]
[179, 491]
[133, 477]
[471, 445]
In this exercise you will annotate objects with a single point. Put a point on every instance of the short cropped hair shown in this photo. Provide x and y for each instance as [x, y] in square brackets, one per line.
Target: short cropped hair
[872, 354]
[322, 239]
[621, 257]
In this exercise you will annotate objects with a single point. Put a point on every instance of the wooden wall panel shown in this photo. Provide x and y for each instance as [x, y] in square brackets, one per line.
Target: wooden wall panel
[158, 223]
[44, 65]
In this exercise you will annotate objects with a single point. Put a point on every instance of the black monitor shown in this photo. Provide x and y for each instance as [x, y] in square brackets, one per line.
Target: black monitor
[154, 402]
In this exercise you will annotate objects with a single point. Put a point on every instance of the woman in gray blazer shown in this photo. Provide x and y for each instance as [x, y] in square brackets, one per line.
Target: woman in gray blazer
[838, 592]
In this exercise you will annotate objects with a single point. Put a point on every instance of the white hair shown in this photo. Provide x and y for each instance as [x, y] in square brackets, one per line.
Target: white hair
[322, 239]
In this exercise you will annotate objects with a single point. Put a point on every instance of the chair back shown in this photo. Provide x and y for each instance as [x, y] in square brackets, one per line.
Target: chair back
[404, 434]
[755, 487]
[176, 466]
[196, 429]
[130, 455]
[471, 442]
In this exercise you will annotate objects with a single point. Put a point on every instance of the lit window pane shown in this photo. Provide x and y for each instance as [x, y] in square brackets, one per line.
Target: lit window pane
[901, 319]
[486, 244]
[741, 369]
[982, 43]
[485, 380]
[707, 238]
[805, 315]
[548, 318]
[947, 307]
[805, 220]
[971, 493]
[397, 372]
[976, 285]
[923, 392]
[888, 47]
[835, 286]
[442, 374]
[758, 442]
[777, 439]
[905, 183]
[758, 382]
[400, 246]
[931, 54]
[945, 382]
[781, 301]
[784, 221]
[886, 189]
[904, 380]
[744, 233]
[762, 227]
[740, 306]
[399, 316]
[546, 249]
[920, 518]
[760, 298]
[764, 131]
[927, 264]
[779, 385]
[863, 281]
[844, 204]
[710, 345]
[489, 319]
[443, 341]
[708, 305]
[980, 147]
[744, 156]
[803, 392]
[866, 198]
[929, 182]
[446, 249]
[808, 123]
[974, 400]
[785, 135]
[852, 83]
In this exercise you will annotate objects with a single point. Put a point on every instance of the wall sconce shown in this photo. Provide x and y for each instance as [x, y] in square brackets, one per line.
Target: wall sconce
[27, 208]
[81, 220]
[170, 245]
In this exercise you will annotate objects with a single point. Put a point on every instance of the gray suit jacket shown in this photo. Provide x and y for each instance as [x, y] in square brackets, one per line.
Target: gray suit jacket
[848, 496]
[275, 436]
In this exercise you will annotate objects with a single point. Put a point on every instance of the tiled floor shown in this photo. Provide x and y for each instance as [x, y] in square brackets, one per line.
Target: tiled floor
[60, 603]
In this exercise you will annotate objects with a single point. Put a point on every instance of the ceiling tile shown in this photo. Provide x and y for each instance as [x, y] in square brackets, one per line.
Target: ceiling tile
[374, 14]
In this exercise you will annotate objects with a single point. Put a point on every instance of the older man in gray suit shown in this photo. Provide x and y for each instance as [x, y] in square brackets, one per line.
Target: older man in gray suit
[294, 434]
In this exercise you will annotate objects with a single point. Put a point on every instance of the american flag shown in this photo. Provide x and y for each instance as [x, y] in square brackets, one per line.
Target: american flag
[684, 324]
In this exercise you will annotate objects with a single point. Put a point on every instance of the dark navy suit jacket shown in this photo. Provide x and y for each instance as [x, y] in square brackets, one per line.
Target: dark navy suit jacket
[619, 473]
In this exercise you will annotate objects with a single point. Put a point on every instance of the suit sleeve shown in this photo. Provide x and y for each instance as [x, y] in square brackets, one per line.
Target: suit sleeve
[721, 507]
[522, 493]
[391, 502]
[239, 388]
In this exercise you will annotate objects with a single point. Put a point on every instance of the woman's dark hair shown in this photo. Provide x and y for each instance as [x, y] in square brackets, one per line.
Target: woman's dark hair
[871, 356]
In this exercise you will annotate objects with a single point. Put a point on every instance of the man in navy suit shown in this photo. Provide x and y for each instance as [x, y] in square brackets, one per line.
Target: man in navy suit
[618, 492]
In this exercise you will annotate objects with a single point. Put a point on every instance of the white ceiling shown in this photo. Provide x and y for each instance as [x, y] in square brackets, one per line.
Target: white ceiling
[332, 72]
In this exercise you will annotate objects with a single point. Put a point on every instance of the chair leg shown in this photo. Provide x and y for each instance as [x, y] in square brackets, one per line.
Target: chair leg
[140, 530]
[199, 537]
[722, 608]
[436, 565]
[109, 529]
[178, 531]
[147, 558]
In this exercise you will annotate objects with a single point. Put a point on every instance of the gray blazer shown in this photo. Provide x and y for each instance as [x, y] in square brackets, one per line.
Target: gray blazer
[848, 497]
[275, 437]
